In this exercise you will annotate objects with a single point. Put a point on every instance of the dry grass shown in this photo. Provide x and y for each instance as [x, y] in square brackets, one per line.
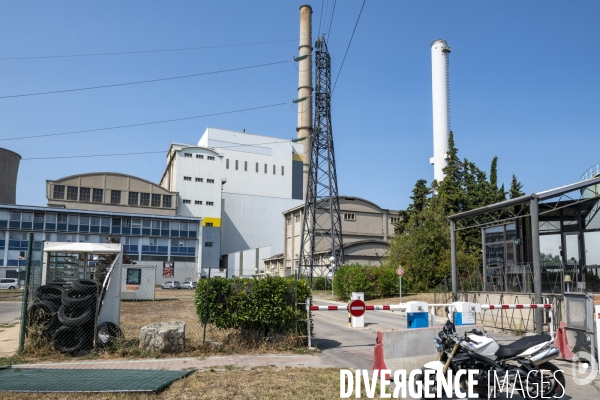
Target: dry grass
[259, 383]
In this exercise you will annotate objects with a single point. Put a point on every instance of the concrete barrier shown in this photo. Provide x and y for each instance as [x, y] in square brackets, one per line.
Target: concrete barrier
[409, 349]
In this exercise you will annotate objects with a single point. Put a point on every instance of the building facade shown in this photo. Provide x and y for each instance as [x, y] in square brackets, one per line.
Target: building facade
[147, 239]
[366, 232]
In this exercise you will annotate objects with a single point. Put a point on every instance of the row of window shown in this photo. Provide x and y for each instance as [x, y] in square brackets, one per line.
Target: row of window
[95, 224]
[198, 202]
[200, 156]
[237, 165]
[94, 195]
[189, 178]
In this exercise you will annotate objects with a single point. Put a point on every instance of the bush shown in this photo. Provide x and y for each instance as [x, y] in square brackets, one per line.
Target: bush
[264, 306]
[321, 283]
[375, 282]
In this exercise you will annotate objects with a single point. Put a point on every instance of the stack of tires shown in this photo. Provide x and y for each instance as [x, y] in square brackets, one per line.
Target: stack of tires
[66, 315]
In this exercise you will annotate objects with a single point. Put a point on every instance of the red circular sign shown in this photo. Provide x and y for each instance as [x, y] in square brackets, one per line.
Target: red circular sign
[357, 308]
[399, 271]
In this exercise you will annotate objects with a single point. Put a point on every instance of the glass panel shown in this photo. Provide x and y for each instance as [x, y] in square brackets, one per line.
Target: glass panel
[98, 196]
[494, 254]
[592, 220]
[51, 218]
[155, 200]
[572, 247]
[135, 223]
[549, 226]
[494, 234]
[84, 220]
[72, 192]
[164, 225]
[95, 221]
[511, 232]
[134, 276]
[155, 224]
[27, 217]
[550, 250]
[84, 194]
[72, 219]
[146, 223]
[592, 248]
[175, 225]
[105, 221]
[570, 216]
[15, 216]
[38, 218]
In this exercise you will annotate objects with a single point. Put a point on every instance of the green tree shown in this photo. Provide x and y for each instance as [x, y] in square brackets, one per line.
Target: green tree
[515, 188]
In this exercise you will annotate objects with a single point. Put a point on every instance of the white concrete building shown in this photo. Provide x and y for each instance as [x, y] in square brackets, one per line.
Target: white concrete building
[261, 177]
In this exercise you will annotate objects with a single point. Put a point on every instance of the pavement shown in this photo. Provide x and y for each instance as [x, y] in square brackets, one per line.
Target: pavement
[9, 311]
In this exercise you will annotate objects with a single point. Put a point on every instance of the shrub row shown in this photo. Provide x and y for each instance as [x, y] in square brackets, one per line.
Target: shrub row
[375, 282]
[264, 306]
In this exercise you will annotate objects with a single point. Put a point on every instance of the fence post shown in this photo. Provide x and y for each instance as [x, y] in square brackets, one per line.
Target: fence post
[25, 294]
[308, 322]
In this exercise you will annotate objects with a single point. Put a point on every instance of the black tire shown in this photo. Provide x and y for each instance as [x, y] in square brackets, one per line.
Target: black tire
[75, 299]
[42, 315]
[69, 339]
[109, 334]
[556, 383]
[12, 288]
[87, 286]
[49, 293]
[74, 317]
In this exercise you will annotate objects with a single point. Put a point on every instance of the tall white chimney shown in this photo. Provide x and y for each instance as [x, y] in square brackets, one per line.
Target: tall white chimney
[305, 89]
[440, 51]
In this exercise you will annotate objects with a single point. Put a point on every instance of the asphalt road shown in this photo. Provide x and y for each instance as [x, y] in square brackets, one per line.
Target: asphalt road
[352, 348]
[9, 311]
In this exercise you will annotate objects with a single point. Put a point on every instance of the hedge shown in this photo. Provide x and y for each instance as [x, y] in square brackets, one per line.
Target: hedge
[264, 306]
[375, 282]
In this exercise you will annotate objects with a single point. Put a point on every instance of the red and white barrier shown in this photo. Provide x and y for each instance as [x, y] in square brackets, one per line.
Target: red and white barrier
[514, 306]
[391, 307]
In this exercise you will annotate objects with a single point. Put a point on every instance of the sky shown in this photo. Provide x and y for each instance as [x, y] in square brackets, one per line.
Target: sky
[524, 85]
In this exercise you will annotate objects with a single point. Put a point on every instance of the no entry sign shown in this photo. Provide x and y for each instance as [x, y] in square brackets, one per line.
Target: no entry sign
[399, 271]
[357, 308]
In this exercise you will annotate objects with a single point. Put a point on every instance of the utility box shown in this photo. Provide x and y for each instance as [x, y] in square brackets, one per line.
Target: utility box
[417, 314]
[138, 282]
[465, 313]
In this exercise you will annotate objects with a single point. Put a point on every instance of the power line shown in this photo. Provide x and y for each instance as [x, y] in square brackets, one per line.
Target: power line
[145, 81]
[349, 43]
[149, 152]
[331, 20]
[144, 123]
[145, 51]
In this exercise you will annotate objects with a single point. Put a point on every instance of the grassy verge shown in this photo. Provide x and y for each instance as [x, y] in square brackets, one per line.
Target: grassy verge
[260, 383]
[136, 314]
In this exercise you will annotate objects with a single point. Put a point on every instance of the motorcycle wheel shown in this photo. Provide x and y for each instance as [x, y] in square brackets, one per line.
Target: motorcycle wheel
[555, 386]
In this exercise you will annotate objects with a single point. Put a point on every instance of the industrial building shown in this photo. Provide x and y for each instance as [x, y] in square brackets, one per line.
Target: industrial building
[366, 228]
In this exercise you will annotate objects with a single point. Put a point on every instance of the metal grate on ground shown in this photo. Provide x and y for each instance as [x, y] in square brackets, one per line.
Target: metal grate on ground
[86, 380]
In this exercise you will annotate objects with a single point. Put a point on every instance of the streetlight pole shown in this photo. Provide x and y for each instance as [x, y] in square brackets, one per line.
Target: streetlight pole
[332, 263]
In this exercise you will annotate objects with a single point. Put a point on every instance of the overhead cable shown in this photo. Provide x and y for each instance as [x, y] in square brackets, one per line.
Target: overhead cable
[331, 21]
[145, 81]
[144, 51]
[349, 43]
[144, 123]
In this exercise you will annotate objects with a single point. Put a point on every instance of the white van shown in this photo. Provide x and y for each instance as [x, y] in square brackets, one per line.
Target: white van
[10, 283]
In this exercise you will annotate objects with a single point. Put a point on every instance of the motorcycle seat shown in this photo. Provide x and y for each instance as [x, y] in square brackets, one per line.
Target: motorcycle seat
[519, 346]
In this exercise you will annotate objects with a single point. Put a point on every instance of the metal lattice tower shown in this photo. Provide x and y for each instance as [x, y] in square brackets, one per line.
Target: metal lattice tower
[321, 228]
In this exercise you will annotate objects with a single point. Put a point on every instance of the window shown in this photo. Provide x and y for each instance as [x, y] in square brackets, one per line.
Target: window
[98, 196]
[265, 168]
[133, 198]
[289, 220]
[199, 156]
[84, 194]
[256, 167]
[187, 201]
[210, 181]
[187, 178]
[115, 197]
[210, 203]
[134, 276]
[59, 192]
[245, 165]
[167, 201]
[155, 200]
[187, 155]
[394, 220]
[349, 216]
[209, 224]
[227, 163]
[199, 179]
[62, 218]
[236, 165]
[274, 170]
[282, 170]
[38, 218]
[212, 158]
[208, 244]
[297, 218]
[144, 199]
[199, 202]
[72, 193]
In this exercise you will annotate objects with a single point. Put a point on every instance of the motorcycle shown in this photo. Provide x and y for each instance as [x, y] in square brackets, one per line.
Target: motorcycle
[523, 366]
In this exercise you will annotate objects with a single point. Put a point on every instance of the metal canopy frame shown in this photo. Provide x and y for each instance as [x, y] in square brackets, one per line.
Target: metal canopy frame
[523, 207]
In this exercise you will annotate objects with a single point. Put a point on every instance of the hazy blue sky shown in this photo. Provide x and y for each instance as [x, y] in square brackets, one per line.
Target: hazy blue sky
[524, 85]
